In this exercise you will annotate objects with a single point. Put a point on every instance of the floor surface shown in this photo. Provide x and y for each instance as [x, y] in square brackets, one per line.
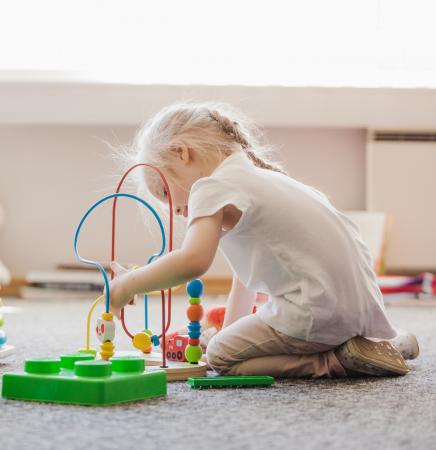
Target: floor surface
[366, 413]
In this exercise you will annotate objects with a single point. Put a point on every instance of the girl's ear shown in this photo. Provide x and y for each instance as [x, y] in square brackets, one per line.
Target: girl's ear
[184, 154]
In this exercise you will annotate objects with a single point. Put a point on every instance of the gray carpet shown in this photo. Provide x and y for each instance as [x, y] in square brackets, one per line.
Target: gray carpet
[365, 413]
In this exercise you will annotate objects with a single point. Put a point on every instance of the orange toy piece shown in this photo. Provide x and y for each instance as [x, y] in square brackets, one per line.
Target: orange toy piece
[215, 317]
[195, 313]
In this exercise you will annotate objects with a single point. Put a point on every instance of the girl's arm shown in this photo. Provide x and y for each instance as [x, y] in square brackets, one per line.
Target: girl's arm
[191, 261]
[240, 302]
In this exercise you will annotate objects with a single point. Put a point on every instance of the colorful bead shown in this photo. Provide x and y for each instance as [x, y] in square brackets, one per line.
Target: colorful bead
[105, 329]
[193, 353]
[107, 350]
[195, 313]
[194, 330]
[107, 316]
[195, 288]
[142, 341]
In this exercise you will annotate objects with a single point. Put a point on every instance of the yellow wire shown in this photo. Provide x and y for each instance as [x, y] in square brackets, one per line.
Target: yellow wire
[88, 322]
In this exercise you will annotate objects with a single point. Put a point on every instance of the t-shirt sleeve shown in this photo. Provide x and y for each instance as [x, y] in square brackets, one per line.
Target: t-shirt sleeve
[209, 195]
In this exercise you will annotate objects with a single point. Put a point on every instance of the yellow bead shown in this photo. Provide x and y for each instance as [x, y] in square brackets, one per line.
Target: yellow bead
[107, 350]
[107, 316]
[142, 341]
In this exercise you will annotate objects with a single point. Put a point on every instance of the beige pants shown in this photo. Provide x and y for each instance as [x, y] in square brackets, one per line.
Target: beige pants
[251, 347]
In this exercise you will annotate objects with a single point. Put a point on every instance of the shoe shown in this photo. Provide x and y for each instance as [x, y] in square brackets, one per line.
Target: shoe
[406, 344]
[373, 358]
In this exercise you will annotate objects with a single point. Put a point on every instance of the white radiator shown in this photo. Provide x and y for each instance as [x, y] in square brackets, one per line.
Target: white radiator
[401, 180]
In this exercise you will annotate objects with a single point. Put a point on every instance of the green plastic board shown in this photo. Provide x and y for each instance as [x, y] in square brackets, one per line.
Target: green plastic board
[80, 379]
[220, 382]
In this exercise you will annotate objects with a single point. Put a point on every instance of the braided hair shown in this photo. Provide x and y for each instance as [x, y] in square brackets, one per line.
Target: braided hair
[233, 130]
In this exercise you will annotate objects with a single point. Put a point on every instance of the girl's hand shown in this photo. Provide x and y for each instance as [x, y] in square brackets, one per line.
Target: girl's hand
[118, 288]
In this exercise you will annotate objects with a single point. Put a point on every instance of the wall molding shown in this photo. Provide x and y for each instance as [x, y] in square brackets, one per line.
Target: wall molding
[212, 286]
[64, 100]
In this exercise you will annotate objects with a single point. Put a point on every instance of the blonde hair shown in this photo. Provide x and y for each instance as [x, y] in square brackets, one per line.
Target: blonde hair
[211, 130]
[207, 128]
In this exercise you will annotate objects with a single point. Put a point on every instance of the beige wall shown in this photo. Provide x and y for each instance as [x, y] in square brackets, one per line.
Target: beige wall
[50, 175]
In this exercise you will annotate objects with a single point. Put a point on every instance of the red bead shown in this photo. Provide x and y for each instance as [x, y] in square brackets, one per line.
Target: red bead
[194, 341]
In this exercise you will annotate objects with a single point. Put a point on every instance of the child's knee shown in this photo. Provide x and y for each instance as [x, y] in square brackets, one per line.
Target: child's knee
[216, 357]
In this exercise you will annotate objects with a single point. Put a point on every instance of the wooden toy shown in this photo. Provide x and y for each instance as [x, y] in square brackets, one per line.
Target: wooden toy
[176, 348]
[145, 339]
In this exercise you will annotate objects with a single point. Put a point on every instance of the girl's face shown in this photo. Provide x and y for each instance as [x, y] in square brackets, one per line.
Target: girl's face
[185, 170]
[179, 195]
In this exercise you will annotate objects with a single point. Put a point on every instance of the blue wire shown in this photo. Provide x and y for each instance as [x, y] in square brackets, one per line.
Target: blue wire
[97, 264]
[146, 311]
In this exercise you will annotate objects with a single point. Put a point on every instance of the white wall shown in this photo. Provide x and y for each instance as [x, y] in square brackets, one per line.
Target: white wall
[50, 175]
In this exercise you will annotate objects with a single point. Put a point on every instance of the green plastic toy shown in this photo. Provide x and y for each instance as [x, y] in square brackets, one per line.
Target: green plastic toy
[80, 379]
[237, 381]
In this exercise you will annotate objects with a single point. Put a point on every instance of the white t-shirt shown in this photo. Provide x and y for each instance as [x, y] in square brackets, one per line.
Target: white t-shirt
[292, 244]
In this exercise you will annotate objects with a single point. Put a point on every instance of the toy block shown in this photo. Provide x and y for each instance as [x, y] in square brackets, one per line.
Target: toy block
[235, 381]
[80, 379]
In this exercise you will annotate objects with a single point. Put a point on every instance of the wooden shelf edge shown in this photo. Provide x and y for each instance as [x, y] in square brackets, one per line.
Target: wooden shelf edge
[212, 286]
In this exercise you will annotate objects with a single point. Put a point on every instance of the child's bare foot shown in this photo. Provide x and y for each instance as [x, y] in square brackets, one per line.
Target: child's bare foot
[374, 358]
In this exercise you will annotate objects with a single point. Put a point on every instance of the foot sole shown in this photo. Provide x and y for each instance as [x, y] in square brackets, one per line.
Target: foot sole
[373, 358]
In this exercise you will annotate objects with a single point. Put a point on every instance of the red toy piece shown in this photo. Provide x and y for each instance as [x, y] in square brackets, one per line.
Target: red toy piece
[176, 348]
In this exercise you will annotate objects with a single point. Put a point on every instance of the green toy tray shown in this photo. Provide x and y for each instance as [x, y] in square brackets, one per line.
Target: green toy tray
[236, 381]
[79, 379]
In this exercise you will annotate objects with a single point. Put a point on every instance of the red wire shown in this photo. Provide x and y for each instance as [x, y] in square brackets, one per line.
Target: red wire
[166, 326]
[164, 344]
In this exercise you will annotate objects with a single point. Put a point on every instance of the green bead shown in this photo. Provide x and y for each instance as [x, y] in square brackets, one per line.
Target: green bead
[149, 332]
[68, 361]
[194, 301]
[42, 365]
[93, 369]
[193, 353]
[128, 364]
[1, 320]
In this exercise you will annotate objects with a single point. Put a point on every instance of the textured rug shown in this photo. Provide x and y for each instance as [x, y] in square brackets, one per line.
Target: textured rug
[364, 413]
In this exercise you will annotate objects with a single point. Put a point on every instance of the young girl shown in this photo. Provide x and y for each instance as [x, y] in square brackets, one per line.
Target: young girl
[281, 237]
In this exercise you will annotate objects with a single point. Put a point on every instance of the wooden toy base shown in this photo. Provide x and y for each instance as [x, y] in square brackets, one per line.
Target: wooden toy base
[6, 350]
[181, 371]
[176, 371]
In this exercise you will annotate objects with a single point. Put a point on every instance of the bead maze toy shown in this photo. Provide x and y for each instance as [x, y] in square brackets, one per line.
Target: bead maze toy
[88, 378]
[145, 339]
[5, 349]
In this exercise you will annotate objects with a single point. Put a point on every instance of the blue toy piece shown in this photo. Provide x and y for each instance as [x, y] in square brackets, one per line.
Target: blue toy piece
[3, 338]
[194, 330]
[195, 288]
